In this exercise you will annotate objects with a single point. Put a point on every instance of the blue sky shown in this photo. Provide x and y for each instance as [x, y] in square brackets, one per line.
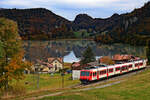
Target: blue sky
[70, 8]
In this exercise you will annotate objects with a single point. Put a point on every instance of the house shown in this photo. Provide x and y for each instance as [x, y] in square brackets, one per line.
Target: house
[123, 58]
[57, 63]
[78, 66]
[47, 67]
[75, 66]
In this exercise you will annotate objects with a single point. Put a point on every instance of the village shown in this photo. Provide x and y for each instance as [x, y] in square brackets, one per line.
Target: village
[53, 65]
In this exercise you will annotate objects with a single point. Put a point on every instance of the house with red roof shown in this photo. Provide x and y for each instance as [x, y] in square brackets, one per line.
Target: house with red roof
[123, 58]
[55, 63]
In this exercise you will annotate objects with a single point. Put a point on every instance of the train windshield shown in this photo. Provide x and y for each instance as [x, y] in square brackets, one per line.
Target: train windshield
[84, 73]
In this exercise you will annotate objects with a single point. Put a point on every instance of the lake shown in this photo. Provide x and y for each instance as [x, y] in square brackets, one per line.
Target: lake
[72, 50]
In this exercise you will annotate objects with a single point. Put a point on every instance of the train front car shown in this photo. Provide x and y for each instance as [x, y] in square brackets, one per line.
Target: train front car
[85, 76]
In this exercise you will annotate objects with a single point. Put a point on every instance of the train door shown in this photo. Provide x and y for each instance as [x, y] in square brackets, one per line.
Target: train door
[107, 73]
[127, 68]
[90, 77]
[98, 74]
[94, 75]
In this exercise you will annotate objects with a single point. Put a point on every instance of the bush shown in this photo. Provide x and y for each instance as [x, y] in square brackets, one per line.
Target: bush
[18, 89]
[13, 90]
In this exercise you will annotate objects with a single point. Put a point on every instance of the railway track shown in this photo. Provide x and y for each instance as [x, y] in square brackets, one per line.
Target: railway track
[117, 77]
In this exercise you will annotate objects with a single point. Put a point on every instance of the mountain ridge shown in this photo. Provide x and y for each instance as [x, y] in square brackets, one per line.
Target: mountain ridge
[41, 23]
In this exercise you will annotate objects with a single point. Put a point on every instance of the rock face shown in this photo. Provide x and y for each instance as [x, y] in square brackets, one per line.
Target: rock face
[84, 21]
[41, 23]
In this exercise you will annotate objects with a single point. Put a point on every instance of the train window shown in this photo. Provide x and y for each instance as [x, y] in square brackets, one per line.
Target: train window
[102, 72]
[87, 73]
[90, 74]
[93, 73]
[124, 68]
[130, 66]
[111, 70]
[118, 68]
[136, 65]
[82, 73]
[141, 64]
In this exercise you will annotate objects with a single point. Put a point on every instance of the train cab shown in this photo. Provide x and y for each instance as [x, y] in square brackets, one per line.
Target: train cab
[86, 75]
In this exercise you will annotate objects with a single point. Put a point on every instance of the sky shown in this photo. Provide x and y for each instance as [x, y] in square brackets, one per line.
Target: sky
[70, 8]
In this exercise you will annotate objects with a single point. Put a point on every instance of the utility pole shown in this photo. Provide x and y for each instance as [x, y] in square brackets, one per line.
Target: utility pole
[38, 76]
[62, 74]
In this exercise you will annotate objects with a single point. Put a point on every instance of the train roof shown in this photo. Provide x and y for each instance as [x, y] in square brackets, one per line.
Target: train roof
[103, 66]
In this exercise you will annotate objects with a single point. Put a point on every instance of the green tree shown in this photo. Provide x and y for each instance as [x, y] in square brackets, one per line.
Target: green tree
[148, 51]
[88, 56]
[11, 64]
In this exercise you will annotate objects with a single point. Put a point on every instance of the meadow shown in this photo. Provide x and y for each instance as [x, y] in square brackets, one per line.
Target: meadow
[46, 82]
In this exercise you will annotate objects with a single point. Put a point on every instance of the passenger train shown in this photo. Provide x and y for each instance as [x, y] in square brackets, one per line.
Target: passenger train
[106, 71]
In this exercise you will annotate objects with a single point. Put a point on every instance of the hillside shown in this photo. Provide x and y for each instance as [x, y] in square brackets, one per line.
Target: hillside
[36, 23]
[40, 23]
[132, 28]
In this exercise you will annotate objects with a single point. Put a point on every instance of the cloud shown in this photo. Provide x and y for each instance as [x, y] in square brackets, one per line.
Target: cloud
[72, 3]
[68, 8]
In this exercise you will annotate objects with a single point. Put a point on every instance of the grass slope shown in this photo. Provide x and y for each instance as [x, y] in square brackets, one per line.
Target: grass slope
[136, 87]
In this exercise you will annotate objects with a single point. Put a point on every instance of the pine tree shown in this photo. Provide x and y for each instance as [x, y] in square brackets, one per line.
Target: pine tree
[11, 64]
[88, 56]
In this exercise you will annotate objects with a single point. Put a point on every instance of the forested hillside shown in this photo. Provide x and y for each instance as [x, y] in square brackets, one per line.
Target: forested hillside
[37, 23]
[40, 23]
[132, 28]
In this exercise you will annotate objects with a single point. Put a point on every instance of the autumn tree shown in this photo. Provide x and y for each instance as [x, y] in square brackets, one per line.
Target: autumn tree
[11, 63]
[106, 60]
[88, 56]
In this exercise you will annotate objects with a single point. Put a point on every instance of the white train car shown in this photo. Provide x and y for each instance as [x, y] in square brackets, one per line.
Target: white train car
[144, 63]
[136, 65]
[94, 74]
[102, 71]
[130, 66]
[111, 70]
[124, 68]
[97, 73]
[117, 69]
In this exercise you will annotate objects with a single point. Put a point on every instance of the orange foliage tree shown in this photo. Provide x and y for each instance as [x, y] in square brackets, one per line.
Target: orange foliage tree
[107, 60]
[11, 64]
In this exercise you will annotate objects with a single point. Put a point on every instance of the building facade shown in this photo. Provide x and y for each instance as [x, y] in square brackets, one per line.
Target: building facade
[57, 63]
